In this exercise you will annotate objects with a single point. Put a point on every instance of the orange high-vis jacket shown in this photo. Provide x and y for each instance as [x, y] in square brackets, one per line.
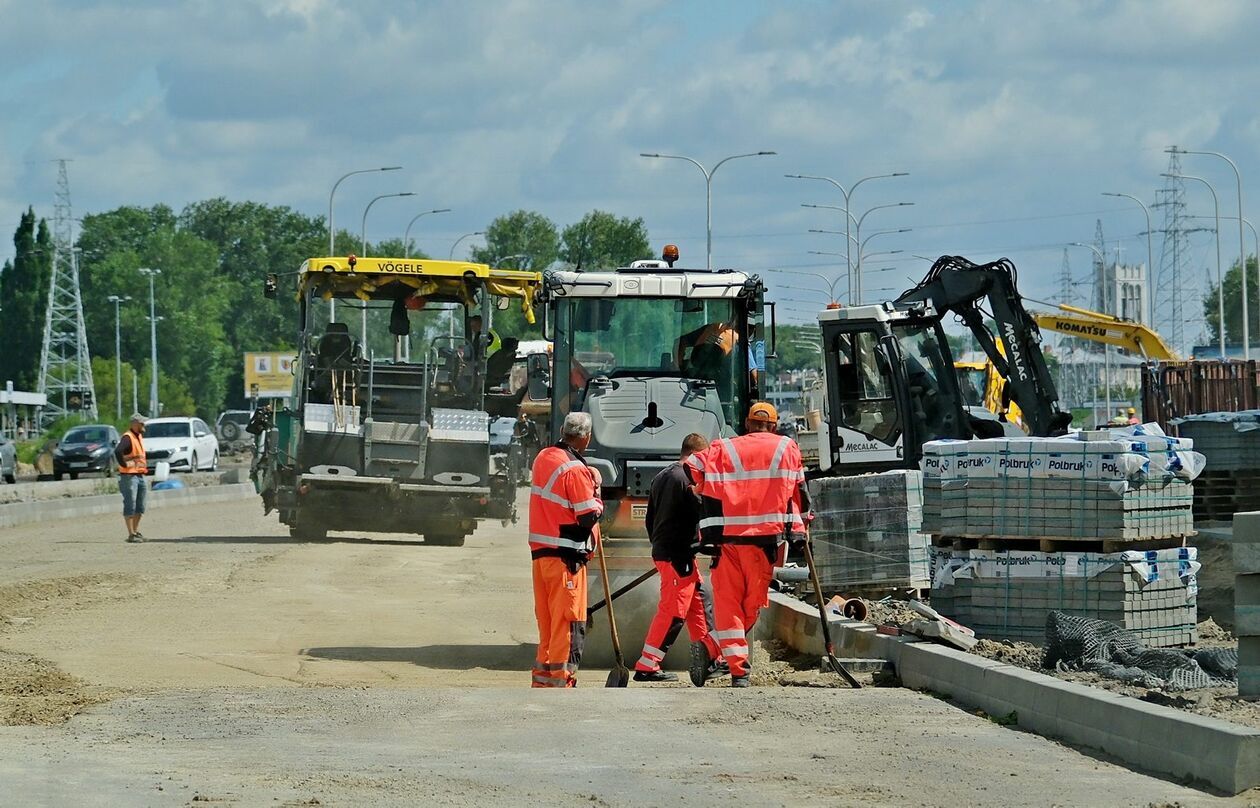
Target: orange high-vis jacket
[563, 489]
[752, 485]
[134, 462]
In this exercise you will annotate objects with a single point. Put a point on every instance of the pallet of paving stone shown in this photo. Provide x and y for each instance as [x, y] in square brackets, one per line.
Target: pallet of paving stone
[867, 531]
[1007, 595]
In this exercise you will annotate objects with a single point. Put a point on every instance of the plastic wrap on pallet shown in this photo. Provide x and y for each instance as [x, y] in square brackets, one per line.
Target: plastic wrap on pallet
[1007, 595]
[867, 531]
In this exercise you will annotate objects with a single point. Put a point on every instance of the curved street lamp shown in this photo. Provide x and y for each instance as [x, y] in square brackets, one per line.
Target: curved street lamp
[708, 191]
[407, 232]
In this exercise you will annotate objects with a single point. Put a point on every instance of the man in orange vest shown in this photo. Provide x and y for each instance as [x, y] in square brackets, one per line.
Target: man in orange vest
[753, 493]
[132, 468]
[673, 512]
[564, 511]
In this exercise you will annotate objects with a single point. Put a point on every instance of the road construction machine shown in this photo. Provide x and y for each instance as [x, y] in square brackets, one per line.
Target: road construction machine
[983, 386]
[376, 439]
[891, 379]
[652, 352]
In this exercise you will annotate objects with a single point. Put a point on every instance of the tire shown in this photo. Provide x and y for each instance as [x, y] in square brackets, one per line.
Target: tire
[109, 471]
[230, 431]
[192, 464]
[444, 539]
[74, 475]
[214, 464]
[11, 479]
[57, 475]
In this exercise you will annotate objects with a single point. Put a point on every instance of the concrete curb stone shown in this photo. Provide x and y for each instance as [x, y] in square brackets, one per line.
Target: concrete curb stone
[16, 514]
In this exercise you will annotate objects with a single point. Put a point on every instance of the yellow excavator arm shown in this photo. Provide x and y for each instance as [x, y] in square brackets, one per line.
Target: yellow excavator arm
[1097, 327]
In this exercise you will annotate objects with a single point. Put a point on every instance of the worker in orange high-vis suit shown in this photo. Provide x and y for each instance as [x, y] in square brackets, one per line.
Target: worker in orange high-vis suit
[673, 516]
[564, 511]
[752, 490]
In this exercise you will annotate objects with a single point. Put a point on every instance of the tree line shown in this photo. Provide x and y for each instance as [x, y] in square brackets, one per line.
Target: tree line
[212, 257]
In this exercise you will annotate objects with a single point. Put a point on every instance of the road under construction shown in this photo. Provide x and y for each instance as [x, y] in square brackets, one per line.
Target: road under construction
[223, 662]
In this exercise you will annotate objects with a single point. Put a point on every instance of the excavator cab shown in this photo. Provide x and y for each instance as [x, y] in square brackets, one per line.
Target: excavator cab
[890, 386]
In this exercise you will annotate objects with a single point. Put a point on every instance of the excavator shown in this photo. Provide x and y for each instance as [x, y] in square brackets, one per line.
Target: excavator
[891, 379]
[983, 386]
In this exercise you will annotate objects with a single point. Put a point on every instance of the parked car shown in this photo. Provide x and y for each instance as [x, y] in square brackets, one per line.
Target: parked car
[85, 449]
[231, 425]
[187, 444]
[8, 460]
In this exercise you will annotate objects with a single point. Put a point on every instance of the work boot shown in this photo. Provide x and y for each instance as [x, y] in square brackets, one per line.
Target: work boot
[654, 676]
[740, 681]
[701, 664]
[718, 668]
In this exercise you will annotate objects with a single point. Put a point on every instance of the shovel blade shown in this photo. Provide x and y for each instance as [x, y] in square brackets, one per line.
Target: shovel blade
[618, 677]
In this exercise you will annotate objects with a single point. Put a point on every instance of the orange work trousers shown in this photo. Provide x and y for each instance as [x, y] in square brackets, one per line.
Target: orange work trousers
[560, 606]
[682, 602]
[741, 589]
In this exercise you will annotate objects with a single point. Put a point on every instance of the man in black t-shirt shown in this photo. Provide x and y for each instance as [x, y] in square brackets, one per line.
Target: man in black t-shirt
[673, 514]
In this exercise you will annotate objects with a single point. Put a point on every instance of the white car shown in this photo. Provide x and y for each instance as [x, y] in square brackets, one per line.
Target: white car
[187, 444]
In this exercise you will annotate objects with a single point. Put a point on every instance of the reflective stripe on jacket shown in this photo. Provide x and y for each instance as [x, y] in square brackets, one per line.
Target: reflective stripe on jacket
[134, 461]
[751, 486]
[563, 489]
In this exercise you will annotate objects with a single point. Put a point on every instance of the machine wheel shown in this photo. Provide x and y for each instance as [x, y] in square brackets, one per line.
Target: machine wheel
[307, 532]
[444, 539]
[230, 430]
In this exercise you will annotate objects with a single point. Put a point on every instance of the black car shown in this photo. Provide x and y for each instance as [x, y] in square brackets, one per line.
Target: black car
[85, 449]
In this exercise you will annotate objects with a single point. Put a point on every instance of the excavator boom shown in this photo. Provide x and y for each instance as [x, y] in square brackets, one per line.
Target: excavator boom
[1097, 327]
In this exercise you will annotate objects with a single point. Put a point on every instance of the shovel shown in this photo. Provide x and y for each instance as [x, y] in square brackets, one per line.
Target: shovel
[623, 590]
[830, 656]
[620, 675]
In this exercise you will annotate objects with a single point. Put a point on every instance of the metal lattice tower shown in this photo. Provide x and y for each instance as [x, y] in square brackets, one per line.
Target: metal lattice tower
[1100, 270]
[1067, 290]
[65, 366]
[1172, 285]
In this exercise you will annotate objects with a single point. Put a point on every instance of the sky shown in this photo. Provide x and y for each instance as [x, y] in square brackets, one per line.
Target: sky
[1011, 119]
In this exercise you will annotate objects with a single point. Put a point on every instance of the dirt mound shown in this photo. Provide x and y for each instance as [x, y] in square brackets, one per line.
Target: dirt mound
[891, 613]
[22, 601]
[1211, 634]
[34, 691]
[1023, 654]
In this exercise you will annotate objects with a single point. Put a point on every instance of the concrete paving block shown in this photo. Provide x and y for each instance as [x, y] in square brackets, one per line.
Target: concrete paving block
[1247, 528]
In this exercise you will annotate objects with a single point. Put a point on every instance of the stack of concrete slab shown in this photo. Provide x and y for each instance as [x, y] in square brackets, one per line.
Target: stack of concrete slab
[1247, 602]
[1061, 509]
[1008, 595]
[867, 531]
[1231, 443]
[1118, 485]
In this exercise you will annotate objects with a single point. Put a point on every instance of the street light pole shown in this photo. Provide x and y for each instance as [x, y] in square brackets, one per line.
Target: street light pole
[332, 304]
[857, 235]
[848, 260]
[1242, 248]
[1220, 281]
[331, 231]
[461, 238]
[407, 232]
[708, 191]
[831, 284]
[117, 301]
[153, 383]
[363, 237]
[1150, 259]
[1106, 348]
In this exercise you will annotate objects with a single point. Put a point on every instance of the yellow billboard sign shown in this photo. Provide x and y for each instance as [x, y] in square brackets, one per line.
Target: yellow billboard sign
[269, 374]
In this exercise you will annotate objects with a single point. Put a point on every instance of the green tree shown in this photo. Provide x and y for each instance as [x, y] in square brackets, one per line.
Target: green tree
[601, 240]
[24, 300]
[1233, 305]
[796, 347]
[194, 302]
[522, 233]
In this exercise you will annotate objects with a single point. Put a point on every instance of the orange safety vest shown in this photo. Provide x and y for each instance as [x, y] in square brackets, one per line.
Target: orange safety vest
[563, 489]
[721, 335]
[134, 462]
[751, 486]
